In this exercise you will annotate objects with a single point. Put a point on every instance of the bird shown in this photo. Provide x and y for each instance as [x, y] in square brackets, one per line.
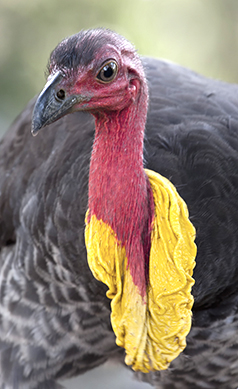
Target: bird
[119, 222]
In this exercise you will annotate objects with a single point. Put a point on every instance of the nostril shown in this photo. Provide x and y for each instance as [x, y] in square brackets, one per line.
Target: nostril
[61, 94]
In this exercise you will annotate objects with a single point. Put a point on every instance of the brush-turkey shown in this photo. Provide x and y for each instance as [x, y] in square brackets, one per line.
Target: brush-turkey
[97, 230]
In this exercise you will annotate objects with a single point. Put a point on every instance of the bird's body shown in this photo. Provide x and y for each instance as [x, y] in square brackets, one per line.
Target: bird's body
[54, 315]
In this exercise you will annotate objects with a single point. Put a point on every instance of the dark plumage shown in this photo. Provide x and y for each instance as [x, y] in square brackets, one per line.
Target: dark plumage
[67, 54]
[54, 315]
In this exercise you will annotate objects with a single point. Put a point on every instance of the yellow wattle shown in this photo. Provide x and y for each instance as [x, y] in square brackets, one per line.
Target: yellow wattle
[152, 329]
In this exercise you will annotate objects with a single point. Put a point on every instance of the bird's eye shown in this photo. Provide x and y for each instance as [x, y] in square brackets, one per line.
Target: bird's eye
[108, 72]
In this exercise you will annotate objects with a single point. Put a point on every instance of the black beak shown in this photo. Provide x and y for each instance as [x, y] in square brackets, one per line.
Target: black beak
[52, 104]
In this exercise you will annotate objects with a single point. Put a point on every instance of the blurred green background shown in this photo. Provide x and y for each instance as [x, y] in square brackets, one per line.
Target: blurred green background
[200, 34]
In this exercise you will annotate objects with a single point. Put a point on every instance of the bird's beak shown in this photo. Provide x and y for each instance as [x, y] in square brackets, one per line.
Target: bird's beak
[49, 107]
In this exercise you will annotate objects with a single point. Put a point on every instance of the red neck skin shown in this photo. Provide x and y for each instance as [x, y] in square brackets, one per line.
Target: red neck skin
[119, 190]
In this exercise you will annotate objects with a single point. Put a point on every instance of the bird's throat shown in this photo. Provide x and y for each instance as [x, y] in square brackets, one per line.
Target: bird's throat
[140, 243]
[119, 190]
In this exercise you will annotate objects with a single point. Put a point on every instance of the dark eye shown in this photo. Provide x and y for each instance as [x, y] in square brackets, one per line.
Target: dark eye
[108, 72]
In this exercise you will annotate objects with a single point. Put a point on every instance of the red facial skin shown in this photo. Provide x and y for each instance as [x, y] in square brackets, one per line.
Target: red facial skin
[119, 191]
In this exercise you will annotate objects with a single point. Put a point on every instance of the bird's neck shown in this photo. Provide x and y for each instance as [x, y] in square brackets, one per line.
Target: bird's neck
[119, 190]
[116, 169]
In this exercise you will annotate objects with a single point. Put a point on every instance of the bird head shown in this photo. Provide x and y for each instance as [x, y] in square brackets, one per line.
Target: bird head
[95, 70]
